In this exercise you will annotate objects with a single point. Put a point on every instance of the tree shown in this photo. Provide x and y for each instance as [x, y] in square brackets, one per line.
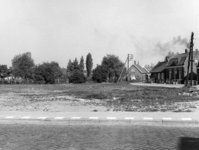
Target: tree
[77, 77]
[81, 65]
[113, 67]
[3, 72]
[56, 70]
[47, 73]
[39, 73]
[22, 65]
[89, 64]
[99, 74]
[75, 65]
[70, 68]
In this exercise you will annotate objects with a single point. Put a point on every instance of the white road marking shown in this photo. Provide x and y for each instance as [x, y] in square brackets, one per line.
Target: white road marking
[9, 117]
[111, 118]
[93, 118]
[76, 118]
[147, 118]
[129, 118]
[41, 117]
[186, 119]
[166, 118]
[59, 118]
[26, 117]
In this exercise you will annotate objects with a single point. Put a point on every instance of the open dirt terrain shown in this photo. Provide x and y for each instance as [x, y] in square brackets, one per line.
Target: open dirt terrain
[95, 97]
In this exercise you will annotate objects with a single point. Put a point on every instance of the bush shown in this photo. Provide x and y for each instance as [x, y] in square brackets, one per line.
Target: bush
[77, 77]
[99, 75]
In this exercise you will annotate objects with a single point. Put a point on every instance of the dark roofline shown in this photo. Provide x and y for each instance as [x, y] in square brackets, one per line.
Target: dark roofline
[159, 65]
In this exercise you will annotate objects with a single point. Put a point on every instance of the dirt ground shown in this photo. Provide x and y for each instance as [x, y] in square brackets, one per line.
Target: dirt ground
[94, 97]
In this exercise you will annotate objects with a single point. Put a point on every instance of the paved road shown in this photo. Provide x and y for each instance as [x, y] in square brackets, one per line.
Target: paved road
[80, 137]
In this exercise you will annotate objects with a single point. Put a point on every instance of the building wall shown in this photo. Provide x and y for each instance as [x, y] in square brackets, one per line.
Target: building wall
[159, 77]
[134, 72]
[174, 74]
[195, 57]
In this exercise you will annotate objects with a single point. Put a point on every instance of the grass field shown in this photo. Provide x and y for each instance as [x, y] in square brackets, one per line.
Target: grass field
[94, 97]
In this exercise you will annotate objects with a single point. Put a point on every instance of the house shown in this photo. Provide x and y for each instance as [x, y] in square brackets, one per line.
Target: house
[174, 70]
[136, 72]
[158, 72]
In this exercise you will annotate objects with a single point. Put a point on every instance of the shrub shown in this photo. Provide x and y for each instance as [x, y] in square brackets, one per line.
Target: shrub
[77, 77]
[99, 74]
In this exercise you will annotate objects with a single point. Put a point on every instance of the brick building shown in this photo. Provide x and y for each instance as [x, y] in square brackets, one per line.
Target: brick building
[174, 70]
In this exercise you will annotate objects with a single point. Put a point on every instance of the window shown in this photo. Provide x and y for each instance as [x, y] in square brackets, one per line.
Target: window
[170, 71]
[158, 75]
[180, 74]
[162, 76]
[175, 74]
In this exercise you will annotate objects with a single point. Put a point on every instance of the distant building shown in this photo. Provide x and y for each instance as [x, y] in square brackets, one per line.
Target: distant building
[174, 70]
[136, 72]
[158, 72]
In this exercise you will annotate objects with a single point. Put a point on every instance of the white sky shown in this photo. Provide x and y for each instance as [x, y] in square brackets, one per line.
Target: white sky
[59, 30]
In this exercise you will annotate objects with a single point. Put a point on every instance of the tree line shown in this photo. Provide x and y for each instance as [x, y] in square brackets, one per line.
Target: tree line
[24, 70]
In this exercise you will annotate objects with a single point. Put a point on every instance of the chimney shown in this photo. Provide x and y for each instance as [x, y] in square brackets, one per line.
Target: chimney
[135, 62]
[185, 50]
[138, 62]
[167, 58]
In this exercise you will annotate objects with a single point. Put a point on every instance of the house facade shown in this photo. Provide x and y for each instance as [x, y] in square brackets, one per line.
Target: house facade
[174, 70]
[136, 72]
[158, 72]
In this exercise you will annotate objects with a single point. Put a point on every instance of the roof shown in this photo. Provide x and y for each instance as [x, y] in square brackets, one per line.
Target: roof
[149, 68]
[159, 67]
[177, 60]
[146, 70]
[140, 69]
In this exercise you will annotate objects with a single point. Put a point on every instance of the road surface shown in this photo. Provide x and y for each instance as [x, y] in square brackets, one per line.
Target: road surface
[95, 137]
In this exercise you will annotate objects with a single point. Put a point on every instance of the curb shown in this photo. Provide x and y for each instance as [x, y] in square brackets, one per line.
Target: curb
[96, 120]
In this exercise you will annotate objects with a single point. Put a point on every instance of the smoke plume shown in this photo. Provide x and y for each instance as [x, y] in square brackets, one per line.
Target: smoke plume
[177, 45]
[149, 51]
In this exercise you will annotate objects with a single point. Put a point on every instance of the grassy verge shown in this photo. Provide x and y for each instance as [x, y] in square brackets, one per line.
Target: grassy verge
[118, 97]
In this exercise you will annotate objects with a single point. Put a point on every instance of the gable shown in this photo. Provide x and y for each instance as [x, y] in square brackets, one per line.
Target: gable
[178, 60]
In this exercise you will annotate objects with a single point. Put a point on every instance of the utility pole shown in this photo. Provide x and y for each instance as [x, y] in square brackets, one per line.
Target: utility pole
[128, 68]
[129, 58]
[191, 49]
[190, 59]
[122, 71]
[188, 68]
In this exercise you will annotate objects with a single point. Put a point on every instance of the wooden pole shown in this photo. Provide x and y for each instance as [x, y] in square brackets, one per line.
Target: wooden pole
[122, 71]
[188, 68]
[128, 68]
[191, 49]
[190, 59]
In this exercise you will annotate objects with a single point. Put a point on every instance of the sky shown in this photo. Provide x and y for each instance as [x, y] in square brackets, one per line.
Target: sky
[59, 30]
